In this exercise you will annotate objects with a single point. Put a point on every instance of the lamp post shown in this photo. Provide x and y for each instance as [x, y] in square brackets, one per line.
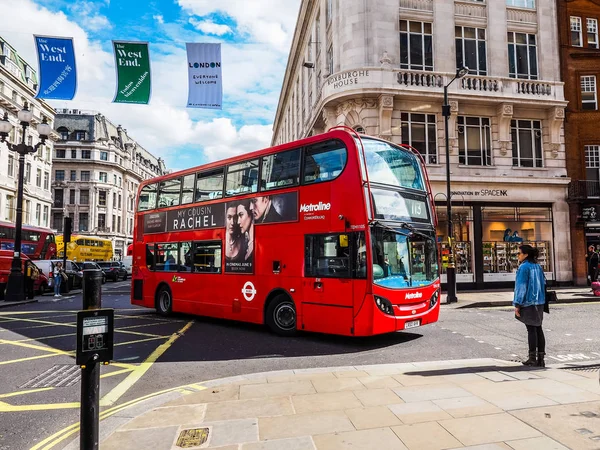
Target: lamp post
[451, 270]
[15, 287]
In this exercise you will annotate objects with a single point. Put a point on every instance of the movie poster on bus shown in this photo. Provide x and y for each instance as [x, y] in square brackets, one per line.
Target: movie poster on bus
[240, 219]
[239, 237]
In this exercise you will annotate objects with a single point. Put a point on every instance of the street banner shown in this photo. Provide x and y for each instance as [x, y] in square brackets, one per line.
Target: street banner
[57, 74]
[204, 71]
[132, 63]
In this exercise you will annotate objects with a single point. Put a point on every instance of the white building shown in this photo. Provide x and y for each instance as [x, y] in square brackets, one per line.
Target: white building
[380, 66]
[18, 84]
[97, 170]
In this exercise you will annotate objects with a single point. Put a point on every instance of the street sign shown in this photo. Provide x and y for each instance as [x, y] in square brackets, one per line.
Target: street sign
[95, 330]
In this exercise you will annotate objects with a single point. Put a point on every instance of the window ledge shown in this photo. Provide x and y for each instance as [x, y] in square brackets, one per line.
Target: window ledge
[538, 169]
[464, 166]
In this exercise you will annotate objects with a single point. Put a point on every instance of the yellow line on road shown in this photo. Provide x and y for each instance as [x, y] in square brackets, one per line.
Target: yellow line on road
[35, 347]
[116, 372]
[29, 391]
[141, 340]
[127, 383]
[63, 434]
[123, 365]
[30, 358]
[45, 337]
[5, 407]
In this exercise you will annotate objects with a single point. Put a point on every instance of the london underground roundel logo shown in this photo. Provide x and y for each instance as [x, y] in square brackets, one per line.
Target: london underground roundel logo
[248, 291]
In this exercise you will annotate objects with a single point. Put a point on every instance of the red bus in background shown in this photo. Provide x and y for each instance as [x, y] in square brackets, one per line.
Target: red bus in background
[334, 234]
[36, 242]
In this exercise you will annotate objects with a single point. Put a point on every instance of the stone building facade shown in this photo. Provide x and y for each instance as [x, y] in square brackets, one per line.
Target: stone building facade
[97, 170]
[380, 67]
[580, 53]
[18, 85]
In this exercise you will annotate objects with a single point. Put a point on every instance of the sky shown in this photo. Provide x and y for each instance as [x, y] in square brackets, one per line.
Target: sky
[255, 36]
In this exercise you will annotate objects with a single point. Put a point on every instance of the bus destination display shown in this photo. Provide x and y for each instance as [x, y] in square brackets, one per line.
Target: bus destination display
[394, 206]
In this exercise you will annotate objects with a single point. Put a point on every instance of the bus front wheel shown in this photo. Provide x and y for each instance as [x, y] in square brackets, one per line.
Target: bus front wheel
[164, 301]
[281, 316]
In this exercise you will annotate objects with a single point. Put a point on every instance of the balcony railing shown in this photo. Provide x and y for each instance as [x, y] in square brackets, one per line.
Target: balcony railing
[419, 5]
[583, 190]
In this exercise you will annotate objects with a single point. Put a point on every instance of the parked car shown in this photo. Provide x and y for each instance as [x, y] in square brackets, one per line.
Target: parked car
[92, 265]
[127, 263]
[40, 285]
[113, 270]
[72, 270]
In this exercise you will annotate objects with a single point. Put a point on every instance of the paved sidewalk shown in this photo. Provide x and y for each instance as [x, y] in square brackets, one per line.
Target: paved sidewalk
[482, 404]
[504, 297]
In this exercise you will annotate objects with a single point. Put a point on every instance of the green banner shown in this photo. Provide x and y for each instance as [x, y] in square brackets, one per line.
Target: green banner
[132, 62]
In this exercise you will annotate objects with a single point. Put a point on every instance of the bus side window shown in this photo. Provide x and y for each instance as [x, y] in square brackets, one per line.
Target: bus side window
[185, 257]
[150, 256]
[324, 162]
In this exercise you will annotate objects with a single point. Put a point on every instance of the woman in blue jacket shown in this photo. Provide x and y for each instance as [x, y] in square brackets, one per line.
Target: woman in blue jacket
[530, 296]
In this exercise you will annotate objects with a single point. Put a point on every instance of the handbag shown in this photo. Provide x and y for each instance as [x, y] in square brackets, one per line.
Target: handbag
[64, 276]
[550, 296]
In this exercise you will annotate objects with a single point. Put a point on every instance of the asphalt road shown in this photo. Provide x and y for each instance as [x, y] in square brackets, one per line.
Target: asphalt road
[39, 389]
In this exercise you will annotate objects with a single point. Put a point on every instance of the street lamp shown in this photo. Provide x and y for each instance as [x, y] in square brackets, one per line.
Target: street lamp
[15, 287]
[451, 270]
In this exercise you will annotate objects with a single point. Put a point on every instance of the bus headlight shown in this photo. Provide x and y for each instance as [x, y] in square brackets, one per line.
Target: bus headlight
[434, 299]
[384, 305]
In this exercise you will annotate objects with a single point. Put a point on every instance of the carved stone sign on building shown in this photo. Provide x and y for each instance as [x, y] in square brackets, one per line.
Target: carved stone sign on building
[349, 78]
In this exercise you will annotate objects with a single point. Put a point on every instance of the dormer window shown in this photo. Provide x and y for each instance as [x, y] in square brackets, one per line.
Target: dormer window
[64, 133]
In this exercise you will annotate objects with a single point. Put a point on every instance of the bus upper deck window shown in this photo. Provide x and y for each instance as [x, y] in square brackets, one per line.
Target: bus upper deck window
[147, 198]
[324, 161]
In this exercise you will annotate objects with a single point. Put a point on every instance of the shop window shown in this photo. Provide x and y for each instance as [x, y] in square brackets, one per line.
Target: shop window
[505, 229]
[418, 131]
[462, 235]
[527, 143]
[474, 141]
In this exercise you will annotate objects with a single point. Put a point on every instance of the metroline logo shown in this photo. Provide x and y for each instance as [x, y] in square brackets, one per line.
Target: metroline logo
[310, 207]
[410, 295]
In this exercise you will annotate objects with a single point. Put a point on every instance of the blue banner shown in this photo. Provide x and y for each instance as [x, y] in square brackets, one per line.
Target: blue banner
[57, 74]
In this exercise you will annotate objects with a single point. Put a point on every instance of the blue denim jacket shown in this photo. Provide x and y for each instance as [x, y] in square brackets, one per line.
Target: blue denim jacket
[530, 285]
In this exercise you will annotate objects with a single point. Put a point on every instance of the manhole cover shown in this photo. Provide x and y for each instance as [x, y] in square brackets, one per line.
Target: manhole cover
[194, 437]
[64, 375]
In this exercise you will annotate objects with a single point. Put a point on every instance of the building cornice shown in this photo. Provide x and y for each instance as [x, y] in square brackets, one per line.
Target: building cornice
[306, 7]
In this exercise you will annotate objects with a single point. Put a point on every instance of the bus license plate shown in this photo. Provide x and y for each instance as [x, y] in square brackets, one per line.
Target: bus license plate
[412, 324]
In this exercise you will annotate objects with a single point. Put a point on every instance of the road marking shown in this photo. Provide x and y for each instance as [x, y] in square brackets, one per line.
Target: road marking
[5, 407]
[28, 391]
[568, 334]
[498, 348]
[30, 358]
[141, 340]
[35, 347]
[114, 395]
[63, 434]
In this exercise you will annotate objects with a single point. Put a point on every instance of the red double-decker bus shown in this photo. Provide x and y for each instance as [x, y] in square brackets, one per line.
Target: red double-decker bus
[36, 242]
[334, 233]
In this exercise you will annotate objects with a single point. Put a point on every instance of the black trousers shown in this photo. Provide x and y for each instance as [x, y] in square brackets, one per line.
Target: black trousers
[537, 341]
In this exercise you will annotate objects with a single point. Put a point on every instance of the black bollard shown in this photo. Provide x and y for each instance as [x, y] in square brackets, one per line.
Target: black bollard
[90, 373]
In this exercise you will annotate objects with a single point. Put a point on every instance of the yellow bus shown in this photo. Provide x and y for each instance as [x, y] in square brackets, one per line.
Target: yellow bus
[85, 248]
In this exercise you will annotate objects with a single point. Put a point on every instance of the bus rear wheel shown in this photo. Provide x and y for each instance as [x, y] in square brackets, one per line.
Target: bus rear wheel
[281, 316]
[164, 301]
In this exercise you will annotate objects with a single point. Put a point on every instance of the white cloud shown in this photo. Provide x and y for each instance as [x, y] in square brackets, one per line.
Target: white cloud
[210, 27]
[271, 22]
[252, 77]
[89, 17]
[159, 18]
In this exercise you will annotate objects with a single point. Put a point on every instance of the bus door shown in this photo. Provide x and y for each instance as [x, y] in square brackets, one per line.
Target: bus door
[327, 303]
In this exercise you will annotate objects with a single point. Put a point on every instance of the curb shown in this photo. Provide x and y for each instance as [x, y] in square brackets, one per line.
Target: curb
[5, 304]
[501, 303]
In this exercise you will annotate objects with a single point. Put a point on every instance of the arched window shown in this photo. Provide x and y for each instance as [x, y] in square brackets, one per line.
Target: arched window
[360, 129]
